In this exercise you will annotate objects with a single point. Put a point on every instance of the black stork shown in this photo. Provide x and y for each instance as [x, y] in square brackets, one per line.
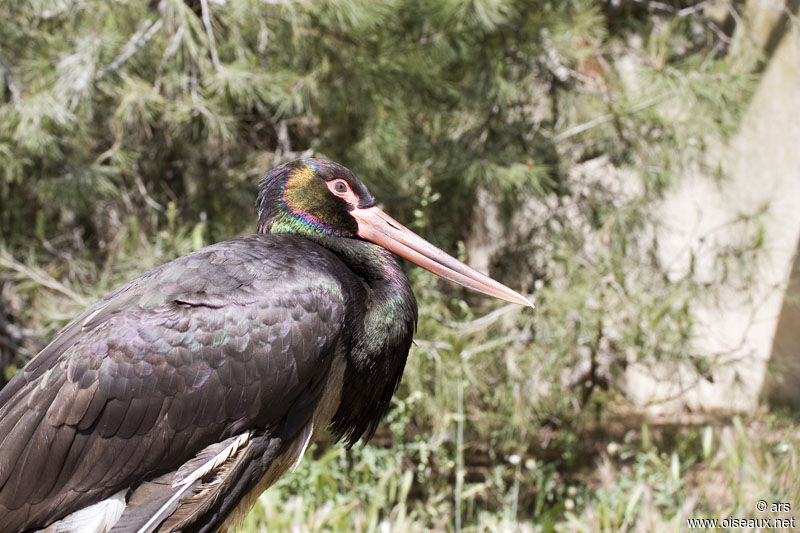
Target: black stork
[173, 402]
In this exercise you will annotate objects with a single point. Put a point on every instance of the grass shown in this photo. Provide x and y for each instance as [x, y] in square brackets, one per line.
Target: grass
[645, 478]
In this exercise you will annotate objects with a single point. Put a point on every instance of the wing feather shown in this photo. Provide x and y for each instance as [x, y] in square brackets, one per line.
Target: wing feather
[216, 342]
[48, 477]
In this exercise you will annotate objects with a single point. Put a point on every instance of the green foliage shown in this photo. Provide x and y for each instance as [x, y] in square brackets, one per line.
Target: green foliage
[700, 472]
[124, 102]
[132, 132]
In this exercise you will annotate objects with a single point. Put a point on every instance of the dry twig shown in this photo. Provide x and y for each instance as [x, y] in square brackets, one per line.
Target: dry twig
[135, 43]
[41, 277]
[12, 88]
[212, 44]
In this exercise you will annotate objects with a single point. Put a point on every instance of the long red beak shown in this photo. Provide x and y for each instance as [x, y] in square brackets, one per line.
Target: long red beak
[376, 226]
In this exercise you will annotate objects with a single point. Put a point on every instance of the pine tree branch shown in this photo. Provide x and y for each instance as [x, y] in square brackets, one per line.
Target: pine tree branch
[580, 128]
[484, 322]
[147, 198]
[135, 43]
[40, 277]
[12, 88]
[212, 44]
[488, 345]
[284, 142]
[679, 12]
[687, 11]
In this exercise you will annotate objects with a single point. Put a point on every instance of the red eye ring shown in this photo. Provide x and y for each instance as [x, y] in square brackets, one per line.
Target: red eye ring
[342, 189]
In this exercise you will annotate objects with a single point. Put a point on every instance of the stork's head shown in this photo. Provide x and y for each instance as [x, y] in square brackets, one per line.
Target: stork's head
[316, 197]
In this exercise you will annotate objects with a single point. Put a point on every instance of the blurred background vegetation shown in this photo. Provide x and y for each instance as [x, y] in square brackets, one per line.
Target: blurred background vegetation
[531, 138]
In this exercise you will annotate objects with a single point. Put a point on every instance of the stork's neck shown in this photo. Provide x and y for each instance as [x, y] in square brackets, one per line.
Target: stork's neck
[381, 337]
[380, 269]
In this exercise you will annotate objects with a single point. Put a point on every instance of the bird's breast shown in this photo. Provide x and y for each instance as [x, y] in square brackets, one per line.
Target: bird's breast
[293, 454]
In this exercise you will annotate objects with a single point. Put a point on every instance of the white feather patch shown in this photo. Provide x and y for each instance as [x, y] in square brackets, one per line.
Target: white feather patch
[212, 463]
[182, 483]
[97, 518]
[309, 431]
[92, 315]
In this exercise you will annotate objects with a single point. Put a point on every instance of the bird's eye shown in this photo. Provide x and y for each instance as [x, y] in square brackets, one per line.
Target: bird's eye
[342, 189]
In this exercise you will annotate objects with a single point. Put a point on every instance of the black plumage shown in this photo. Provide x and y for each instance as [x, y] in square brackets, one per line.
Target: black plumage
[175, 356]
[183, 394]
